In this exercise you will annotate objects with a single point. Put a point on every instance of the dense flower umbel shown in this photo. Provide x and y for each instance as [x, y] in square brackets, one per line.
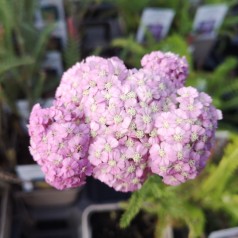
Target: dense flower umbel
[59, 144]
[171, 64]
[122, 125]
[186, 135]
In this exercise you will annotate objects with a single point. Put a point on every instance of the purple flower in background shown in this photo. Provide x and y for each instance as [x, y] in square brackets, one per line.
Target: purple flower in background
[156, 31]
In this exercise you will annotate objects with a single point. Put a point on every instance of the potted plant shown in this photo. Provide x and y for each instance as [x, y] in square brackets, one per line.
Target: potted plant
[102, 220]
[23, 79]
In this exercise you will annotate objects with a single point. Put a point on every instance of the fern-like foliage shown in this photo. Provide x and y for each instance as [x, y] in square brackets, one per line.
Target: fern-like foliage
[132, 51]
[228, 163]
[133, 208]
[135, 203]
[71, 53]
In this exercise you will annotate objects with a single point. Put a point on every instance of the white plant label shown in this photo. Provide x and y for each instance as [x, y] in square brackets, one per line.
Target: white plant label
[208, 19]
[157, 21]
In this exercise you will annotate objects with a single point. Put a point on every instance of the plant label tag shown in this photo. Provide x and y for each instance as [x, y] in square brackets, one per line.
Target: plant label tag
[52, 12]
[53, 62]
[29, 173]
[226, 233]
[208, 20]
[157, 21]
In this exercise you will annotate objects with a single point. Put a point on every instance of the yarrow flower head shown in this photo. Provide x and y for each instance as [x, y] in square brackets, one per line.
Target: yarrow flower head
[120, 164]
[60, 146]
[120, 125]
[186, 137]
[175, 67]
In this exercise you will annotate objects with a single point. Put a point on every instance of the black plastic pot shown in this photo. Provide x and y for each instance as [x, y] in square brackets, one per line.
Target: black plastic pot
[102, 220]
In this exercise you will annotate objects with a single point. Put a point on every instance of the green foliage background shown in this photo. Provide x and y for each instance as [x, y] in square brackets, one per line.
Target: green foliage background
[21, 53]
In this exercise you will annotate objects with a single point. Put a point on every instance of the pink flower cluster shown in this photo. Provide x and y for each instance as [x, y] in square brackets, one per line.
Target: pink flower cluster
[170, 64]
[59, 144]
[121, 125]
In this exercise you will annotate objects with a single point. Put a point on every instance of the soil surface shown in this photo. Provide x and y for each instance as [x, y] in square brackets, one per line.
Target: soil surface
[106, 225]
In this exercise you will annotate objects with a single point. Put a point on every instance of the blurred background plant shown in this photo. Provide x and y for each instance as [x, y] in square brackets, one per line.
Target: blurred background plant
[22, 77]
[7, 141]
[132, 51]
[21, 53]
[76, 14]
[127, 9]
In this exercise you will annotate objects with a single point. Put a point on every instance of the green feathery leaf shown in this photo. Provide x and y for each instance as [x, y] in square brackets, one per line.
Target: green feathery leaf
[13, 63]
[136, 202]
[224, 170]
